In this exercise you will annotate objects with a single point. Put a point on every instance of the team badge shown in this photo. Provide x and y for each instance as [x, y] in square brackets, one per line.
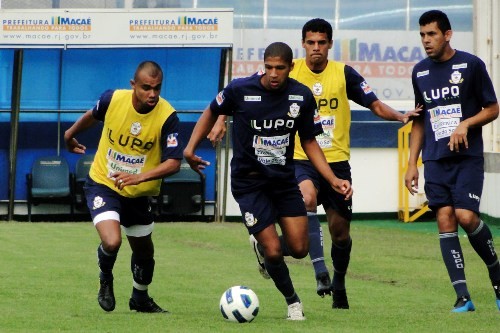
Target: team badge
[220, 98]
[366, 87]
[456, 77]
[172, 140]
[136, 128]
[317, 117]
[294, 110]
[317, 89]
[98, 202]
[250, 220]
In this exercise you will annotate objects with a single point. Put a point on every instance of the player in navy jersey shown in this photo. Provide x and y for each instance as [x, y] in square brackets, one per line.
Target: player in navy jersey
[458, 98]
[333, 84]
[138, 147]
[268, 109]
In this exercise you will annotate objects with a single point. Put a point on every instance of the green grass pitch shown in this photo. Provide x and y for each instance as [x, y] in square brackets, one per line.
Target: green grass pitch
[396, 282]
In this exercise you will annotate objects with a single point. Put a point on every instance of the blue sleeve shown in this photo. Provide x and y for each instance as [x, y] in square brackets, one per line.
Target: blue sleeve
[224, 103]
[418, 96]
[310, 126]
[357, 88]
[484, 88]
[171, 146]
[101, 107]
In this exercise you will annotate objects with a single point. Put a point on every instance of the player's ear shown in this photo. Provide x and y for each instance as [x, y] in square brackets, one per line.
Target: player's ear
[291, 66]
[448, 34]
[132, 83]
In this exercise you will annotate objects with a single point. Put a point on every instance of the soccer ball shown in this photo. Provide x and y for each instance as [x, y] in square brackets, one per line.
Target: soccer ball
[239, 304]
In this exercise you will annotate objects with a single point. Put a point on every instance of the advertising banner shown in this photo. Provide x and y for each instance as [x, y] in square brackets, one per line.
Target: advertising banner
[384, 58]
[116, 28]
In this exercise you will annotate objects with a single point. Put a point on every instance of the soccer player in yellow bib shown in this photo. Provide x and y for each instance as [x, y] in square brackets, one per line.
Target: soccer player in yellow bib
[333, 84]
[138, 147]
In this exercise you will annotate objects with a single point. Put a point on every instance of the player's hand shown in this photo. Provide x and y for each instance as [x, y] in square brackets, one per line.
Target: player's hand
[459, 137]
[218, 131]
[195, 162]
[73, 146]
[123, 179]
[343, 187]
[411, 179]
[413, 113]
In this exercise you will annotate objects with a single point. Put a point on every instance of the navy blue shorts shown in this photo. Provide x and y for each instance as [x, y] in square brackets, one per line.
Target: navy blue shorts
[103, 201]
[263, 201]
[327, 196]
[456, 182]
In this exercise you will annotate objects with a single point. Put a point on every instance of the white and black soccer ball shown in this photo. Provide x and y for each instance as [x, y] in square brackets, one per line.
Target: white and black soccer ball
[239, 304]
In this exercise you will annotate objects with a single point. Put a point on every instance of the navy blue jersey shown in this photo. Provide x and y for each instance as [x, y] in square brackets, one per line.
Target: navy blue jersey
[451, 91]
[265, 123]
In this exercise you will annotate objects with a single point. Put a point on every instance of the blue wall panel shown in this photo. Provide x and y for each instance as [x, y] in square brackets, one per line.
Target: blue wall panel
[73, 79]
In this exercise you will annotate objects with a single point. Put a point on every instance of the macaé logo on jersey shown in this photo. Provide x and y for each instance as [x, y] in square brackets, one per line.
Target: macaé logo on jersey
[124, 159]
[267, 142]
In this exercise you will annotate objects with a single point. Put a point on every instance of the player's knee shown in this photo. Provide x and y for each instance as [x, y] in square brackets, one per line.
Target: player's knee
[310, 202]
[111, 244]
[300, 251]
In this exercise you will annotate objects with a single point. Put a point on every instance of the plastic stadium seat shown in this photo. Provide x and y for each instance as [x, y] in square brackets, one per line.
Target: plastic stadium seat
[182, 193]
[49, 182]
[81, 171]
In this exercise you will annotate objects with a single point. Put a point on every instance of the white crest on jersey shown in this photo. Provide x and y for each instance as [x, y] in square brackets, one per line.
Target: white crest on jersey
[294, 110]
[456, 77]
[317, 89]
[136, 128]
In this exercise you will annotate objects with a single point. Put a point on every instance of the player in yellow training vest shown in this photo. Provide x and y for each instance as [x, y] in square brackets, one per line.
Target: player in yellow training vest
[333, 84]
[138, 147]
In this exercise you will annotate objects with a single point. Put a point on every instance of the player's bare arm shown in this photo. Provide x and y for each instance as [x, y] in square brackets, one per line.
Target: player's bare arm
[386, 112]
[164, 169]
[416, 142]
[317, 158]
[200, 131]
[218, 130]
[84, 122]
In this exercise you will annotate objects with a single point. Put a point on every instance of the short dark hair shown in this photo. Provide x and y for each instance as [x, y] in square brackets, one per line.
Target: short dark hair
[153, 69]
[317, 25]
[279, 49]
[437, 16]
